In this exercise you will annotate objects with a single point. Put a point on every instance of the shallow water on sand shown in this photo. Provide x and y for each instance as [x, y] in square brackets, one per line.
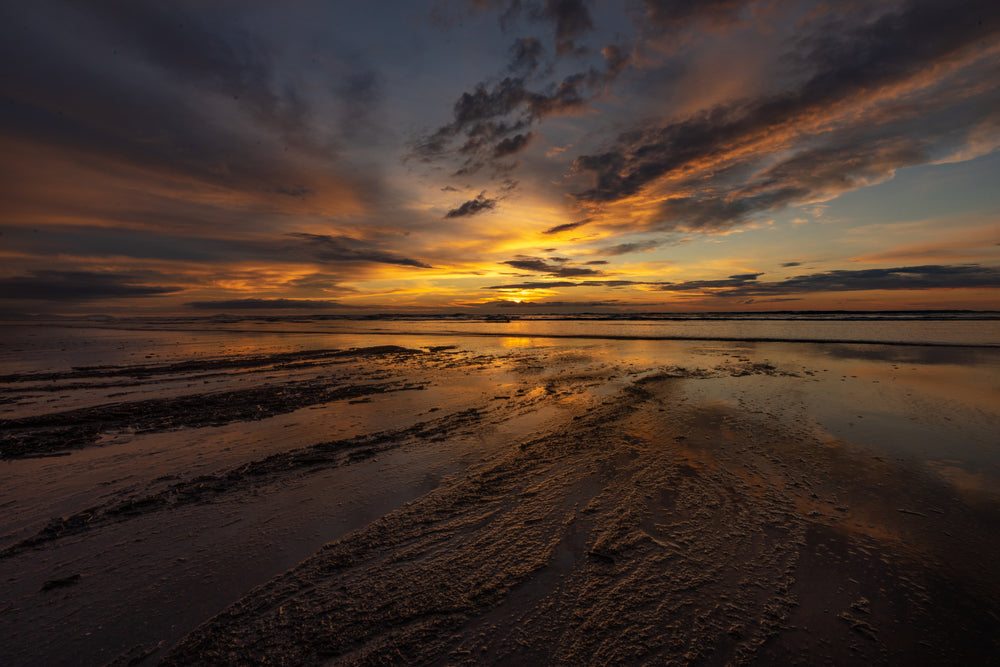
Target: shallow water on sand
[935, 407]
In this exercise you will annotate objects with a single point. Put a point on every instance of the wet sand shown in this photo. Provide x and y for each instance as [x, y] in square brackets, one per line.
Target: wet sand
[443, 504]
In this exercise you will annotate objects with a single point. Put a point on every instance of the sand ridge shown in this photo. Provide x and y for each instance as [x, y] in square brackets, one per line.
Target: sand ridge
[583, 509]
[644, 532]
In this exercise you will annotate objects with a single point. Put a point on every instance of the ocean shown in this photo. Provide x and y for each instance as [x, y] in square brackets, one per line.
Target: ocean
[32, 346]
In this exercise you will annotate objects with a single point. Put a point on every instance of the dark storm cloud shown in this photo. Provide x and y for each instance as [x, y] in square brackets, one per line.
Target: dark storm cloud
[326, 248]
[525, 56]
[491, 112]
[491, 120]
[566, 227]
[558, 269]
[198, 47]
[616, 59]
[512, 145]
[472, 207]
[845, 65]
[201, 45]
[173, 36]
[483, 104]
[178, 89]
[572, 19]
[360, 92]
[791, 264]
[264, 304]
[54, 285]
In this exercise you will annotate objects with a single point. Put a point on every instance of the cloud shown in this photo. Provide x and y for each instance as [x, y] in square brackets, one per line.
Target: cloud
[326, 248]
[360, 93]
[191, 45]
[735, 282]
[514, 144]
[490, 122]
[820, 173]
[559, 269]
[625, 248]
[55, 285]
[791, 264]
[954, 244]
[674, 15]
[293, 191]
[214, 51]
[113, 242]
[861, 100]
[929, 277]
[566, 283]
[743, 285]
[567, 226]
[525, 56]
[489, 114]
[781, 299]
[932, 276]
[264, 304]
[616, 59]
[537, 285]
[716, 213]
[187, 97]
[472, 207]
[572, 19]
[504, 303]
[194, 137]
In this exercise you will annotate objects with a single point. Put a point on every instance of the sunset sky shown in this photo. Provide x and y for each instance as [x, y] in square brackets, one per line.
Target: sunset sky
[193, 157]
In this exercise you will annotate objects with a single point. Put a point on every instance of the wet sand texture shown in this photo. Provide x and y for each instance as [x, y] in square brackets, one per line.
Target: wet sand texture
[638, 524]
[46, 433]
[641, 532]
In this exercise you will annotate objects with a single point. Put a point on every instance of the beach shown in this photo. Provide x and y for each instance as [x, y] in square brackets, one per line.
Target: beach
[408, 493]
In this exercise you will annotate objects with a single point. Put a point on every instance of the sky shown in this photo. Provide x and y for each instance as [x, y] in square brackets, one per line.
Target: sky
[192, 157]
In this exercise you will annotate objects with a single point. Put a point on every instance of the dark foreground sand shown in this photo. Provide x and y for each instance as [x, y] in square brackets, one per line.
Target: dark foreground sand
[638, 526]
[644, 531]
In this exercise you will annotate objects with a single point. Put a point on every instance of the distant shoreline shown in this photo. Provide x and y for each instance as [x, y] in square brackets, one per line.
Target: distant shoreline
[775, 315]
[210, 325]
